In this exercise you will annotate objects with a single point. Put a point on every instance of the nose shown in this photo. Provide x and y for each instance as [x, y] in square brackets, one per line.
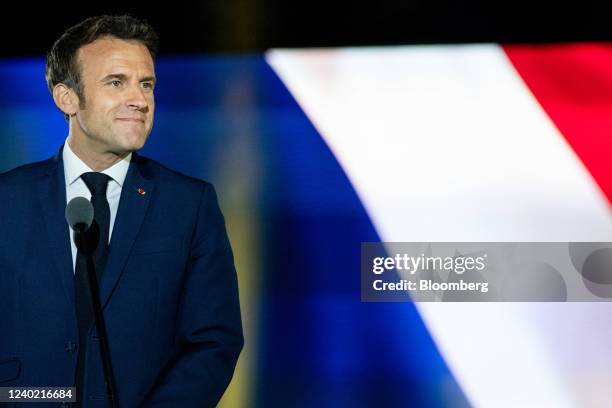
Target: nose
[137, 100]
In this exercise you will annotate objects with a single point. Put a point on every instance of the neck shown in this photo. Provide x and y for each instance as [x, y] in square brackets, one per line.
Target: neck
[97, 159]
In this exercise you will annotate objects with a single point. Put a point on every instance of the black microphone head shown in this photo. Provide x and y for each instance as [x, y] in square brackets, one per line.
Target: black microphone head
[79, 214]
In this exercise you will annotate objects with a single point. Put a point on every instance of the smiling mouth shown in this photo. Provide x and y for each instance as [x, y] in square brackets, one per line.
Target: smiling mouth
[135, 120]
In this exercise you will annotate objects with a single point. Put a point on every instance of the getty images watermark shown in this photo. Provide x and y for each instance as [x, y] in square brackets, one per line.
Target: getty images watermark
[486, 271]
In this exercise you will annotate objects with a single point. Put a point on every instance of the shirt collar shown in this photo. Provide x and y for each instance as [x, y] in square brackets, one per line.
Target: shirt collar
[74, 167]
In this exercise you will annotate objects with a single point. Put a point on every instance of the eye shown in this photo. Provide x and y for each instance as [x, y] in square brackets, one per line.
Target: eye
[115, 83]
[147, 85]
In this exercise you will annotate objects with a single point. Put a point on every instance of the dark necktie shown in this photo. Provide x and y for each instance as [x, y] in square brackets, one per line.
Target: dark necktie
[97, 237]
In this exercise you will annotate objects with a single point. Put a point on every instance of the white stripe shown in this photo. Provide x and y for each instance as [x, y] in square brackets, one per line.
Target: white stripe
[447, 144]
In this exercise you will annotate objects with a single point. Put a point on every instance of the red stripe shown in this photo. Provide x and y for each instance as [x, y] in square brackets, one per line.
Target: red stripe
[573, 83]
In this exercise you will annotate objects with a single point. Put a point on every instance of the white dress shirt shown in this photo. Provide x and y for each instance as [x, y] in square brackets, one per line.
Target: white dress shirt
[75, 186]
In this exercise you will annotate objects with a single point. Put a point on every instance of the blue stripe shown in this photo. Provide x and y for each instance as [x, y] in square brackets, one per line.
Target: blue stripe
[232, 121]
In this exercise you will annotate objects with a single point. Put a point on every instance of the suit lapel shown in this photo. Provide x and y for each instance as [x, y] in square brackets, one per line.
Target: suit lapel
[135, 197]
[52, 199]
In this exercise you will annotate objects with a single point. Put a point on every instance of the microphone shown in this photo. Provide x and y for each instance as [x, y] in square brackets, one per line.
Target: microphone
[79, 214]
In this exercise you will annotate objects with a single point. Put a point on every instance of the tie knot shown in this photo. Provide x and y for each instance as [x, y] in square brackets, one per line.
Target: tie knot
[96, 182]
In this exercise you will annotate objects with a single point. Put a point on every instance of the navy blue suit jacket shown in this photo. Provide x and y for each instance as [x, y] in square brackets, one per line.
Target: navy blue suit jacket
[169, 291]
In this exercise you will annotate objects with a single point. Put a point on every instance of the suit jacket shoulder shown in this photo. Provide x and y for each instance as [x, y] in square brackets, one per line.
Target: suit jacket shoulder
[162, 174]
[25, 173]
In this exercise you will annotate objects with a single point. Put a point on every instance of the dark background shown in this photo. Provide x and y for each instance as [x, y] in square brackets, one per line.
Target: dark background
[256, 25]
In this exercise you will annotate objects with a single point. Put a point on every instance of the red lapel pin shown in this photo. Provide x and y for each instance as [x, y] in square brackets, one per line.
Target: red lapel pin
[141, 191]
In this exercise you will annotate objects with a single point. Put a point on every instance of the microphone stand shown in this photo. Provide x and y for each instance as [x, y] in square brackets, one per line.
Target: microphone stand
[99, 319]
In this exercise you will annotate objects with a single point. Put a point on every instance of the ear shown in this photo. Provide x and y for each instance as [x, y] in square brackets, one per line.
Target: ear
[66, 99]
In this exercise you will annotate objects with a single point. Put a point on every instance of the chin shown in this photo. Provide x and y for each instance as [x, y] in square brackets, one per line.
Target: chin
[131, 144]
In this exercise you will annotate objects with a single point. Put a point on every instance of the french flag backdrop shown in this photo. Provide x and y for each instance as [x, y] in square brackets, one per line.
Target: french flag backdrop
[315, 150]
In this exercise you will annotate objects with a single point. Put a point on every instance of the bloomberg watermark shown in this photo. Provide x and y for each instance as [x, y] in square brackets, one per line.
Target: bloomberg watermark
[486, 271]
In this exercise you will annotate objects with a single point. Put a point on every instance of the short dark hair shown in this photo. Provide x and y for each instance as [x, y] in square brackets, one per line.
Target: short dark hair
[62, 65]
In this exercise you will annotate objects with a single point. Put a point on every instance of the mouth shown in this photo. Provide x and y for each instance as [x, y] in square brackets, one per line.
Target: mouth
[131, 120]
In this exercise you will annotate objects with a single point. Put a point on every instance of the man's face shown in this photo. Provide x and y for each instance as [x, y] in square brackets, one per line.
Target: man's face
[118, 77]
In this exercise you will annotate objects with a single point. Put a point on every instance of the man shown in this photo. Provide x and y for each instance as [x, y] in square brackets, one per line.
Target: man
[165, 268]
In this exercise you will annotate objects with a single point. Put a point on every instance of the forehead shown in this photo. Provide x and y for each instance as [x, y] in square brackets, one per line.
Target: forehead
[111, 55]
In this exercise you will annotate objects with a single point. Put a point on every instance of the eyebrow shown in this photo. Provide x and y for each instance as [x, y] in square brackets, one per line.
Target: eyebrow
[123, 77]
